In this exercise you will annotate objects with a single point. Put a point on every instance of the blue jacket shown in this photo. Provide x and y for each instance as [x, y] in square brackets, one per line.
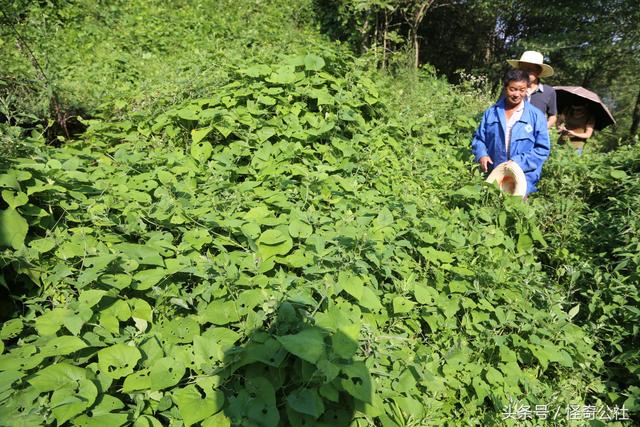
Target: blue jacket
[530, 144]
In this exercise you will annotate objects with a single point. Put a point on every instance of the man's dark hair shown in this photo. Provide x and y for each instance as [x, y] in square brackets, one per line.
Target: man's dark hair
[515, 75]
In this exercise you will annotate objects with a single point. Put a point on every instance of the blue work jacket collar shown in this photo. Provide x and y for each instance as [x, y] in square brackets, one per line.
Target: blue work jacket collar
[498, 115]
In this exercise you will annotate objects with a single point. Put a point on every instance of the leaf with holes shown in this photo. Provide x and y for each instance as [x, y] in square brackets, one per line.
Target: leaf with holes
[102, 413]
[50, 322]
[63, 345]
[180, 330]
[255, 402]
[11, 328]
[201, 151]
[139, 380]
[118, 360]
[193, 406]
[166, 372]
[206, 352]
[356, 380]
[196, 238]
[67, 403]
[402, 305]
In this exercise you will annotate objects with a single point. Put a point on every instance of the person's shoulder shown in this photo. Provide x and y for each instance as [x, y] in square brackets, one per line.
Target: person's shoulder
[491, 113]
[549, 88]
[500, 103]
[491, 108]
[534, 111]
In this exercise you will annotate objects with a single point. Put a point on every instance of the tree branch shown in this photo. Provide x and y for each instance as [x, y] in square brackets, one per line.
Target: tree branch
[26, 50]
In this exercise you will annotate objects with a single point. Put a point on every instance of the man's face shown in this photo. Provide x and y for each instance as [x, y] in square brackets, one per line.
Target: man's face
[533, 70]
[515, 92]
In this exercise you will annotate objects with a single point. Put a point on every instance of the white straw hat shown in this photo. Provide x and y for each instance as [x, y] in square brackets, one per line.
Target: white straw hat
[532, 57]
[510, 178]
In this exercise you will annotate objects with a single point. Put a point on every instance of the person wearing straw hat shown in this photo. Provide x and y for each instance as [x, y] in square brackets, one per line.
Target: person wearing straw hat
[513, 130]
[540, 95]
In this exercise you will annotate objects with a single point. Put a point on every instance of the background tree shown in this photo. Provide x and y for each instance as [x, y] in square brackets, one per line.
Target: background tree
[589, 43]
[414, 13]
[382, 27]
[593, 44]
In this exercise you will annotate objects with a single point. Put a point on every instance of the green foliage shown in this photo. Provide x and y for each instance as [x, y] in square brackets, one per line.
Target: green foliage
[295, 255]
[386, 30]
[593, 232]
[110, 60]
[588, 43]
[301, 241]
[13, 228]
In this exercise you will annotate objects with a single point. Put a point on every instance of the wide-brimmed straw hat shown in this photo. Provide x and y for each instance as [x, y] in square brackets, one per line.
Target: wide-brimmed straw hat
[510, 178]
[532, 57]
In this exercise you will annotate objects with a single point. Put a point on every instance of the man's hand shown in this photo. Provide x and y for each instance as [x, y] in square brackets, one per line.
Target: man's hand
[484, 163]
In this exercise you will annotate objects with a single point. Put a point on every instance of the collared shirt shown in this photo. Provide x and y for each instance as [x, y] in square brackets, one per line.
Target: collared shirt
[517, 114]
[544, 98]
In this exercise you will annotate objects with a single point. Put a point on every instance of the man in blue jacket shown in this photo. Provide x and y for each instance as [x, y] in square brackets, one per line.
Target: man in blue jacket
[513, 130]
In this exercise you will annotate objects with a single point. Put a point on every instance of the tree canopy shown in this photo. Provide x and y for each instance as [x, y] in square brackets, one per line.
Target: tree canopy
[590, 43]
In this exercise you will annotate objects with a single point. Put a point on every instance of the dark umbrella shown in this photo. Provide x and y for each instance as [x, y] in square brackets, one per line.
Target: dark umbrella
[576, 95]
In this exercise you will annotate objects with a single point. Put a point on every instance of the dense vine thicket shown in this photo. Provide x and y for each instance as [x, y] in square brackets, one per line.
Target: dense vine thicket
[305, 242]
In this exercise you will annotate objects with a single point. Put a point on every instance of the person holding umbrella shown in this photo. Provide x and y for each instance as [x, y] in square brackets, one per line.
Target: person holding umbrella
[540, 95]
[582, 112]
[575, 126]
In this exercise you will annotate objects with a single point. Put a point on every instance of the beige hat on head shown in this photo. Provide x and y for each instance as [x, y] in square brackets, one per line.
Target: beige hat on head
[532, 57]
[510, 178]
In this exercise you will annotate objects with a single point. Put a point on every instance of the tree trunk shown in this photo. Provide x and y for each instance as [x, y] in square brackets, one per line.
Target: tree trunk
[416, 49]
[364, 36]
[385, 38]
[414, 25]
[635, 120]
[374, 39]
